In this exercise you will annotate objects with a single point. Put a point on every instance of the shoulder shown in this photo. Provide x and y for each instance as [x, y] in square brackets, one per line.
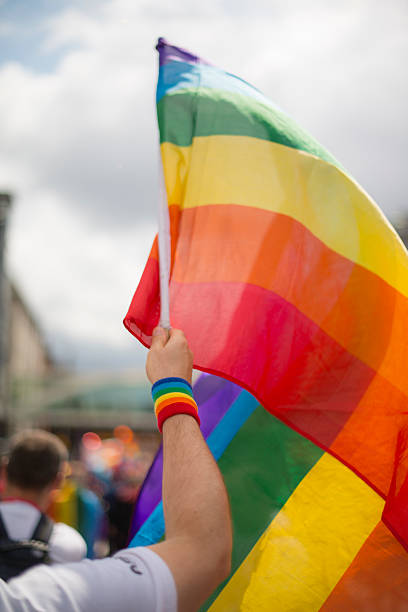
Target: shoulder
[19, 518]
[19, 507]
[66, 544]
[145, 562]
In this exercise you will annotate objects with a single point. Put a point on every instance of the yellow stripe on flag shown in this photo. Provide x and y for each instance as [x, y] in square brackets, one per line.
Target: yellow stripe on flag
[308, 545]
[262, 174]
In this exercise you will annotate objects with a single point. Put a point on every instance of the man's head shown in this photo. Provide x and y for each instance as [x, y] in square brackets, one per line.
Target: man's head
[35, 461]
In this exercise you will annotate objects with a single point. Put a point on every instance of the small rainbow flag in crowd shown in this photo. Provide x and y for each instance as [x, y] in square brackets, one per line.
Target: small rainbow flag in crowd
[289, 281]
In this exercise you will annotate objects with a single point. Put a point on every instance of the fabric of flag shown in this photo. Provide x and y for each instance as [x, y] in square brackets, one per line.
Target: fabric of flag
[307, 531]
[286, 277]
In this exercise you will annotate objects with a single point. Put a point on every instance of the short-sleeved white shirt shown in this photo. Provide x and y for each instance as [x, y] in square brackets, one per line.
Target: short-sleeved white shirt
[134, 580]
[20, 519]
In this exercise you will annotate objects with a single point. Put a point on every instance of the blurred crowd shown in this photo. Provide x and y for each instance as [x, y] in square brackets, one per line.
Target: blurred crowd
[100, 488]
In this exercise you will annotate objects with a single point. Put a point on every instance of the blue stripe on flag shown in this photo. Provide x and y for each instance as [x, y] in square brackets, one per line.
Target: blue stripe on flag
[182, 75]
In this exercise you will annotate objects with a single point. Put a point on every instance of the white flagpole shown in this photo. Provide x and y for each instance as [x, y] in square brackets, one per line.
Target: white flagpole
[164, 250]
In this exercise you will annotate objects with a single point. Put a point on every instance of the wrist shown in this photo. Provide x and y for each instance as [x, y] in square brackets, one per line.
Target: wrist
[179, 422]
[173, 396]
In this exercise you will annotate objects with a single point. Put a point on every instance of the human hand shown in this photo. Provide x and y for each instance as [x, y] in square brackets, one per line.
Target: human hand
[169, 355]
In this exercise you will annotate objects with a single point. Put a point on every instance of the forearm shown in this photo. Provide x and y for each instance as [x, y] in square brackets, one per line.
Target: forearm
[194, 496]
[197, 548]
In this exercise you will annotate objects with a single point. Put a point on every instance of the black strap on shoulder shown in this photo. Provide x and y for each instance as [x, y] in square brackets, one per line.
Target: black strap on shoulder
[44, 529]
[17, 556]
[3, 530]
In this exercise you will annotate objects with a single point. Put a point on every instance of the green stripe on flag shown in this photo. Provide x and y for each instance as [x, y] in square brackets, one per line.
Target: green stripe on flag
[186, 114]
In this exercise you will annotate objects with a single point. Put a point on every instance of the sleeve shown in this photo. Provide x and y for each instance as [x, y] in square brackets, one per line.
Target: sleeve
[66, 544]
[134, 579]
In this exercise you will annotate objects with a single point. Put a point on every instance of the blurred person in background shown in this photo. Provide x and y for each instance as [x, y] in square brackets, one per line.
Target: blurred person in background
[33, 470]
[90, 511]
[120, 500]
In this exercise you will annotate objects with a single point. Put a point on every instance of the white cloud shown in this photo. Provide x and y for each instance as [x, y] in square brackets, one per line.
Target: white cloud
[78, 280]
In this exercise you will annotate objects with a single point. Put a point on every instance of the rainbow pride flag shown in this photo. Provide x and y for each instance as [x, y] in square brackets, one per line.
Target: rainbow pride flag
[286, 278]
[307, 531]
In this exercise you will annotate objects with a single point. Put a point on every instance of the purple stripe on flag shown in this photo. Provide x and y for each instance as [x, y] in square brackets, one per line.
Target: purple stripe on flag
[213, 406]
[169, 53]
[214, 397]
[149, 495]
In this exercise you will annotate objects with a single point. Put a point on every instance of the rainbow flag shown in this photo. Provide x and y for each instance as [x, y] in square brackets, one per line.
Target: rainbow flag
[307, 531]
[286, 277]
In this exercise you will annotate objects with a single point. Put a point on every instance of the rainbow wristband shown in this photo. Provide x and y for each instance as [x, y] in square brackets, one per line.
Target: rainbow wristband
[173, 396]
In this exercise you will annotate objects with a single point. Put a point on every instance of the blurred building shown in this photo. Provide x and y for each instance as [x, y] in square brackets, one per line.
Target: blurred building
[98, 403]
[29, 356]
[25, 360]
[30, 368]
[5, 202]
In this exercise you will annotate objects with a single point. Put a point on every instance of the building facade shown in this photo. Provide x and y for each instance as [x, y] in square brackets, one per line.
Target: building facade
[25, 361]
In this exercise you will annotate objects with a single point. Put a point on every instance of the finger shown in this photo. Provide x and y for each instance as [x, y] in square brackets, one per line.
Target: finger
[177, 335]
[159, 337]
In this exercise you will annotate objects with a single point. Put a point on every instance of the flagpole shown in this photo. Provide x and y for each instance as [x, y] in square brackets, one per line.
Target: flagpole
[164, 250]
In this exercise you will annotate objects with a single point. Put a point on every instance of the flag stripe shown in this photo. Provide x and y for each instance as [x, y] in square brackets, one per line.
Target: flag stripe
[259, 174]
[369, 437]
[183, 77]
[260, 247]
[307, 546]
[184, 115]
[377, 579]
[169, 53]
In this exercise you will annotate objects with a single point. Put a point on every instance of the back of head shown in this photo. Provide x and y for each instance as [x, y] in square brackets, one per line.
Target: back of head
[35, 458]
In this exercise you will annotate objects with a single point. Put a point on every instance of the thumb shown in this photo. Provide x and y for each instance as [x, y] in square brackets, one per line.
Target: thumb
[159, 337]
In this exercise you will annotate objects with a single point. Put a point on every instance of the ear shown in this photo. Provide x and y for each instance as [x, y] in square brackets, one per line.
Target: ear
[59, 479]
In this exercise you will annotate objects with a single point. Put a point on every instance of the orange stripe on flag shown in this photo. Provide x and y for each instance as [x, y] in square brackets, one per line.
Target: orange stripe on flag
[377, 579]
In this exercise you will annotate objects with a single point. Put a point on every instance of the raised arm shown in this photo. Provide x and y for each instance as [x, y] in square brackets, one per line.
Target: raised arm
[197, 548]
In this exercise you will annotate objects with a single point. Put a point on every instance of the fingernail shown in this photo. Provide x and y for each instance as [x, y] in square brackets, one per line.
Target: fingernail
[158, 331]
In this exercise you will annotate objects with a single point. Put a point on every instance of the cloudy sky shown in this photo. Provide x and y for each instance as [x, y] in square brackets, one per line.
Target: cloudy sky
[78, 135]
